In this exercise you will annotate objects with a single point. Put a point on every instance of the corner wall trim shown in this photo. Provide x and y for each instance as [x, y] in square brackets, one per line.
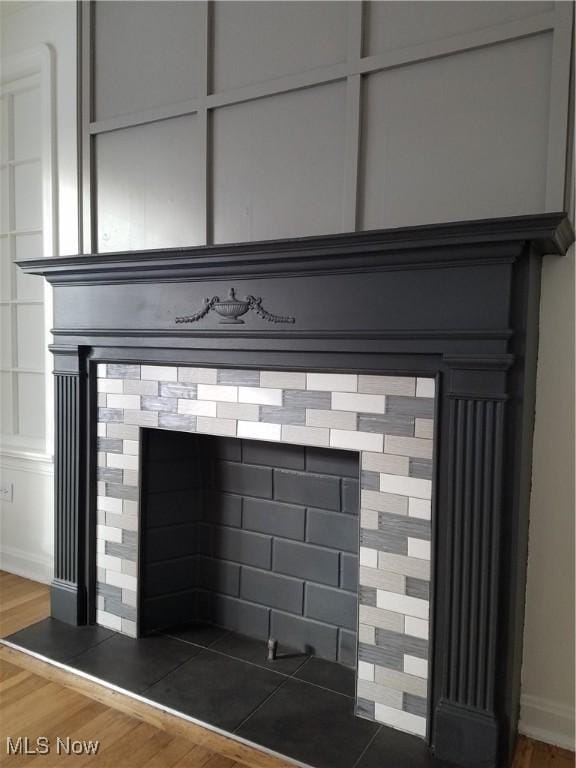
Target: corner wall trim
[546, 720]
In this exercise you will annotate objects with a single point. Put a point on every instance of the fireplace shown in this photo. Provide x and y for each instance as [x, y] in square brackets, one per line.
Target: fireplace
[419, 346]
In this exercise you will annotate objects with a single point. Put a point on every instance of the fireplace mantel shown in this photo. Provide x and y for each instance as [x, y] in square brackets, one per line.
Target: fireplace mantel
[458, 302]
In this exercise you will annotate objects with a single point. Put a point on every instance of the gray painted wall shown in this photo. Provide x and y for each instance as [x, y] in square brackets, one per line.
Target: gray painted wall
[270, 119]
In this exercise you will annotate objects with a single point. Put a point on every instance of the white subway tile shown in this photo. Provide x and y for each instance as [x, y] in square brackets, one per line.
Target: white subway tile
[123, 401]
[108, 620]
[198, 375]
[121, 580]
[369, 519]
[107, 533]
[366, 634]
[101, 371]
[159, 373]
[139, 387]
[409, 606]
[415, 666]
[397, 718]
[260, 396]
[283, 379]
[355, 441]
[244, 411]
[259, 430]
[111, 386]
[122, 461]
[416, 627]
[421, 508]
[218, 392]
[197, 407]
[130, 477]
[141, 418]
[344, 401]
[332, 382]
[418, 548]
[129, 507]
[101, 459]
[108, 504]
[369, 557]
[406, 486]
[131, 447]
[305, 435]
[129, 628]
[101, 429]
[425, 387]
[123, 431]
[366, 671]
[225, 427]
[129, 597]
[108, 562]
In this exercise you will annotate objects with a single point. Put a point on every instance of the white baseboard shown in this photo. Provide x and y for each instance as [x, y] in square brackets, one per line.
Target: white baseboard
[26, 564]
[548, 721]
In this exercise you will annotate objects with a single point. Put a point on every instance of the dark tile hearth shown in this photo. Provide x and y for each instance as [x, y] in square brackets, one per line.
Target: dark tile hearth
[216, 689]
[57, 640]
[311, 724]
[299, 706]
[135, 664]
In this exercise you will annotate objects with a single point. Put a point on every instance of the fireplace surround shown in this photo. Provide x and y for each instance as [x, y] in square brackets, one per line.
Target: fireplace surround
[455, 303]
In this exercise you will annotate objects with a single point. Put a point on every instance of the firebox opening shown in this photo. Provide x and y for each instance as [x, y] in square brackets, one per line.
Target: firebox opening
[260, 538]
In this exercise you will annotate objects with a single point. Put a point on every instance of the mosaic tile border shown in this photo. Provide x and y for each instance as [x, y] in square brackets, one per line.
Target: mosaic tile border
[388, 419]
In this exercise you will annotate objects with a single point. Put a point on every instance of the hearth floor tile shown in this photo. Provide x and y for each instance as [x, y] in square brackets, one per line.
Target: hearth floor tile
[394, 749]
[310, 724]
[198, 634]
[57, 640]
[216, 689]
[287, 662]
[328, 674]
[134, 664]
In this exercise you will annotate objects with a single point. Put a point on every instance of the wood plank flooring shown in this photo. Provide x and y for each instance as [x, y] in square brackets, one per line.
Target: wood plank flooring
[38, 699]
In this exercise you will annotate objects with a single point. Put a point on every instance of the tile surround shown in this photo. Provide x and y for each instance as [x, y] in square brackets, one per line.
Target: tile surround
[388, 419]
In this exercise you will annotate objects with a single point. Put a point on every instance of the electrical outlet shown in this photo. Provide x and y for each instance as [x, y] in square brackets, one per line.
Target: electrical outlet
[7, 492]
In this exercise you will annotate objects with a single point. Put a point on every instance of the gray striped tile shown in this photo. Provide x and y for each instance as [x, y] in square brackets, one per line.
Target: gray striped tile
[123, 551]
[118, 608]
[116, 491]
[416, 705]
[182, 391]
[385, 541]
[273, 414]
[295, 398]
[421, 468]
[367, 596]
[389, 424]
[417, 588]
[413, 646]
[109, 445]
[422, 407]
[110, 414]
[407, 526]
[108, 590]
[365, 708]
[370, 481]
[239, 377]
[121, 371]
[176, 421]
[160, 404]
[388, 656]
[109, 475]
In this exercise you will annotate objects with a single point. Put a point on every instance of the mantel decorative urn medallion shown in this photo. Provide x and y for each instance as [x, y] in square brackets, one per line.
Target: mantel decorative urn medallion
[232, 309]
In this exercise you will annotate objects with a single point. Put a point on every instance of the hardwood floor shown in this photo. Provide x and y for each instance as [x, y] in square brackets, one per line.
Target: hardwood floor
[38, 699]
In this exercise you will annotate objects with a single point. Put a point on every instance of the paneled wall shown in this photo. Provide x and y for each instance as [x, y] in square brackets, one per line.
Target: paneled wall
[253, 120]
[240, 121]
